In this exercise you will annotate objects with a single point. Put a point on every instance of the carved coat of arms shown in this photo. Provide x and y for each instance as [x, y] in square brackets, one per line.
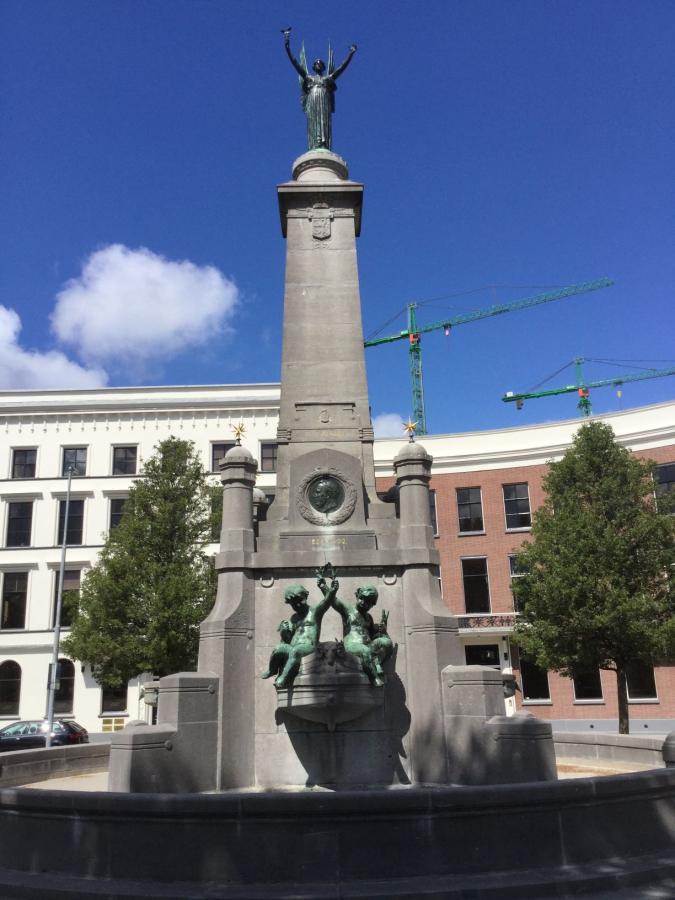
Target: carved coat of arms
[320, 216]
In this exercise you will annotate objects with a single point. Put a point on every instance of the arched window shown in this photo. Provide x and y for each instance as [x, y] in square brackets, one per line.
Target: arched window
[63, 697]
[10, 688]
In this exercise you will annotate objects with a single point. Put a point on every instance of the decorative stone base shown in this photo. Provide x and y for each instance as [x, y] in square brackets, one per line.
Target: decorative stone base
[318, 165]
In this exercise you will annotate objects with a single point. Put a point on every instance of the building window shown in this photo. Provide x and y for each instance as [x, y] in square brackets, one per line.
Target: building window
[664, 476]
[218, 451]
[482, 655]
[515, 571]
[469, 509]
[71, 593]
[113, 700]
[641, 684]
[432, 512]
[476, 586]
[116, 511]
[65, 687]
[75, 521]
[14, 593]
[19, 523]
[75, 458]
[587, 686]
[268, 457]
[10, 688]
[23, 463]
[534, 681]
[124, 460]
[517, 505]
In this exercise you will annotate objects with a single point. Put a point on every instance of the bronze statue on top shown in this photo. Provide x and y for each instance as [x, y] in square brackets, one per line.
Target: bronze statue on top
[318, 93]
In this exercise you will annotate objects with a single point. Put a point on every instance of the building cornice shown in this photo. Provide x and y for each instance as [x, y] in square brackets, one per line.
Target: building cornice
[640, 429]
[146, 400]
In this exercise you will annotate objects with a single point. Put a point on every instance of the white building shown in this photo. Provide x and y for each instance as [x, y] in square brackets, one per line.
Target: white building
[105, 435]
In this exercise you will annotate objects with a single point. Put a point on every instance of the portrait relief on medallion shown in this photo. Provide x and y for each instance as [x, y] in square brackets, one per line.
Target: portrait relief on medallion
[326, 497]
[326, 493]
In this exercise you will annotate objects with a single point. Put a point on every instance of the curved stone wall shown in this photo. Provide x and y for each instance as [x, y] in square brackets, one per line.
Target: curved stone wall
[496, 842]
[626, 748]
[28, 766]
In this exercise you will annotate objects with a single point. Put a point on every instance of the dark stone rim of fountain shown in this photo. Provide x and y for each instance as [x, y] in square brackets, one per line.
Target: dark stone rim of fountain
[539, 838]
[401, 799]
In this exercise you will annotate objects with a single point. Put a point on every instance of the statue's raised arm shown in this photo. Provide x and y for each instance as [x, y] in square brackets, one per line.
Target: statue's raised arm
[302, 72]
[340, 69]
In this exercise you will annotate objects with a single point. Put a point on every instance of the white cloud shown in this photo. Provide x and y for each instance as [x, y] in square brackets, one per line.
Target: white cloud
[25, 369]
[136, 307]
[388, 425]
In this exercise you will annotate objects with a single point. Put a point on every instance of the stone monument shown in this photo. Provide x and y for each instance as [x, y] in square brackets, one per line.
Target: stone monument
[387, 703]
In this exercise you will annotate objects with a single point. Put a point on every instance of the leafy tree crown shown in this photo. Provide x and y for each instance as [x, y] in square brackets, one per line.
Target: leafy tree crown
[141, 604]
[596, 592]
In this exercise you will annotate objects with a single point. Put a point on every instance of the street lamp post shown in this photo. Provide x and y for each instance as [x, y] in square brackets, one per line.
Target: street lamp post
[53, 669]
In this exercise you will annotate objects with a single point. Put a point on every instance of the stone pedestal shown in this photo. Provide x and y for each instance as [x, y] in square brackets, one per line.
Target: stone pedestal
[485, 746]
[179, 755]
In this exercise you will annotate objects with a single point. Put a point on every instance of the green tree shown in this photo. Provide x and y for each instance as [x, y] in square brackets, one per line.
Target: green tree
[141, 605]
[596, 591]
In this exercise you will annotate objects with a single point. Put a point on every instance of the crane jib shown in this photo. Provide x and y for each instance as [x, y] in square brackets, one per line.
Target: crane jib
[413, 333]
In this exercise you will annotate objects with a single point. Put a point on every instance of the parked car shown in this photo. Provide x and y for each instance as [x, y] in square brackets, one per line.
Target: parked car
[28, 734]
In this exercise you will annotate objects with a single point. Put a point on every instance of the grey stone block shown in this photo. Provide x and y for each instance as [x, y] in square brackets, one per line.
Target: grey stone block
[484, 746]
[180, 753]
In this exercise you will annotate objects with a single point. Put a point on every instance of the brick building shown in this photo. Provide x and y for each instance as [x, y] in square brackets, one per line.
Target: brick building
[486, 486]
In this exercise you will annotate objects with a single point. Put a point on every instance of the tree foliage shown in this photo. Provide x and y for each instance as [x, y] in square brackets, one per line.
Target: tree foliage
[595, 591]
[141, 605]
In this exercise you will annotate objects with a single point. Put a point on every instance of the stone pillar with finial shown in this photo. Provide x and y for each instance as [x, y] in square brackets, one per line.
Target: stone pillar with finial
[430, 632]
[412, 466]
[227, 634]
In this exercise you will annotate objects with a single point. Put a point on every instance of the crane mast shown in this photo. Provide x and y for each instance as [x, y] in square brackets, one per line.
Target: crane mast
[415, 359]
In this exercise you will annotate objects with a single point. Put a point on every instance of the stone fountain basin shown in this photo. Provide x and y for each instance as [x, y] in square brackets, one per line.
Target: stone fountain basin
[590, 836]
[525, 840]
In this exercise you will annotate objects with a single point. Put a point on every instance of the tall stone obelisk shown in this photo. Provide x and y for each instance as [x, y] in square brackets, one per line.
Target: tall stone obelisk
[324, 394]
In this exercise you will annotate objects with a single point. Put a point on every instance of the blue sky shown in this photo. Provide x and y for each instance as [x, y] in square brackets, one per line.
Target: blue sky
[523, 144]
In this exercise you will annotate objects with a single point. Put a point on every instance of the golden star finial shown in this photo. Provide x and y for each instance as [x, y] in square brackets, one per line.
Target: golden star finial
[409, 428]
[239, 430]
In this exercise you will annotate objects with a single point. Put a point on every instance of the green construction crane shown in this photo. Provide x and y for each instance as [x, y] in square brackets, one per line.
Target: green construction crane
[582, 387]
[413, 334]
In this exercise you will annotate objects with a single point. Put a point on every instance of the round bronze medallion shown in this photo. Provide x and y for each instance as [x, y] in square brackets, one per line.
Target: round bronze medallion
[325, 493]
[326, 497]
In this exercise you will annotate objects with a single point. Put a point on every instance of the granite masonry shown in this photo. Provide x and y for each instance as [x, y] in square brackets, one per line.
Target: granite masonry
[435, 720]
